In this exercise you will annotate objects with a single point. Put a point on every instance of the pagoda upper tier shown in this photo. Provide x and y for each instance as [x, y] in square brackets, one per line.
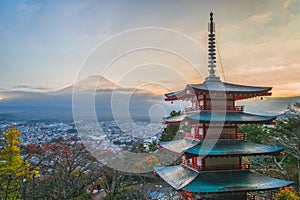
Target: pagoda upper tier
[238, 92]
[213, 84]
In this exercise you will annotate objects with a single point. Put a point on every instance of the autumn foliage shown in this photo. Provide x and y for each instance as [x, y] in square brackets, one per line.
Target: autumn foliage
[286, 194]
[13, 168]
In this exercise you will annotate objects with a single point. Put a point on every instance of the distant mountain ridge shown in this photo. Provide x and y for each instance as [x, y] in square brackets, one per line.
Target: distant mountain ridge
[89, 83]
[58, 104]
[269, 105]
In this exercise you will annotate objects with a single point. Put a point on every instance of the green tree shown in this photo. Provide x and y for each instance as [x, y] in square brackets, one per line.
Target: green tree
[287, 134]
[168, 133]
[153, 146]
[132, 193]
[255, 133]
[171, 130]
[112, 182]
[13, 168]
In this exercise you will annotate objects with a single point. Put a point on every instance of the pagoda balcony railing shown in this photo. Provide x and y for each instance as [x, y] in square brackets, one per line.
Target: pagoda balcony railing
[238, 136]
[227, 108]
[267, 194]
[192, 137]
[241, 136]
[195, 167]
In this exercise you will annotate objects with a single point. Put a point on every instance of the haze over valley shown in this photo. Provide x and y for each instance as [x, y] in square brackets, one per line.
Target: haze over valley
[142, 104]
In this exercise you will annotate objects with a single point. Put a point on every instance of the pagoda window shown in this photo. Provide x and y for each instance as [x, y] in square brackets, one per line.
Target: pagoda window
[201, 103]
[194, 104]
[184, 157]
[188, 91]
[193, 132]
[201, 132]
[200, 161]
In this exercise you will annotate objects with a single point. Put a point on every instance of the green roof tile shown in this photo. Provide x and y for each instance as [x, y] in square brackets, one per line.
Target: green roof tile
[227, 117]
[233, 181]
[183, 178]
[231, 148]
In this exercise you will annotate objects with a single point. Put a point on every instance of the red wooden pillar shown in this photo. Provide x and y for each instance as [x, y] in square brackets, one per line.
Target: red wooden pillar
[204, 101]
[197, 136]
[204, 130]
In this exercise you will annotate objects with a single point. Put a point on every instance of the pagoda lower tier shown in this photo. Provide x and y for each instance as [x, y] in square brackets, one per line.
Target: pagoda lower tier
[181, 177]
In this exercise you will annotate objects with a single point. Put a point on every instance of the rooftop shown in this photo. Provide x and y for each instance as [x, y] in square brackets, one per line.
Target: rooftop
[220, 147]
[183, 178]
[218, 86]
[215, 116]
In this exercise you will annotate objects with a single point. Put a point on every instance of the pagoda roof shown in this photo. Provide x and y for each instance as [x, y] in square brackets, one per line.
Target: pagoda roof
[228, 87]
[178, 146]
[232, 148]
[177, 176]
[183, 178]
[234, 181]
[219, 86]
[215, 116]
[220, 147]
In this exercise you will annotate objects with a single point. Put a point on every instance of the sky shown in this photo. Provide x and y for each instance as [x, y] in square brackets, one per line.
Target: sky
[47, 45]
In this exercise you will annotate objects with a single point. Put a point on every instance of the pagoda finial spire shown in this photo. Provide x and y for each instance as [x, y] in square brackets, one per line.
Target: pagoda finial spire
[211, 51]
[211, 24]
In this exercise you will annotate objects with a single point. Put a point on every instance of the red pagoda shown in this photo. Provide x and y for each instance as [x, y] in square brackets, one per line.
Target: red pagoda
[212, 151]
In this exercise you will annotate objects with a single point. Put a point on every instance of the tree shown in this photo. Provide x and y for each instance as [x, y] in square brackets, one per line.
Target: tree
[286, 194]
[287, 134]
[171, 130]
[111, 182]
[67, 170]
[168, 133]
[13, 168]
[294, 109]
[153, 146]
[255, 133]
[132, 193]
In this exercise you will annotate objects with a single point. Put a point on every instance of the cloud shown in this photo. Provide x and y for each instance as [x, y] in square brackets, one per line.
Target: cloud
[289, 89]
[158, 82]
[28, 7]
[259, 18]
[286, 3]
[284, 82]
[21, 86]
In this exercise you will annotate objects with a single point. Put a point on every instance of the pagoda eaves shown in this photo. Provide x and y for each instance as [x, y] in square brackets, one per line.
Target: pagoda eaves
[182, 178]
[220, 148]
[239, 91]
[228, 118]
